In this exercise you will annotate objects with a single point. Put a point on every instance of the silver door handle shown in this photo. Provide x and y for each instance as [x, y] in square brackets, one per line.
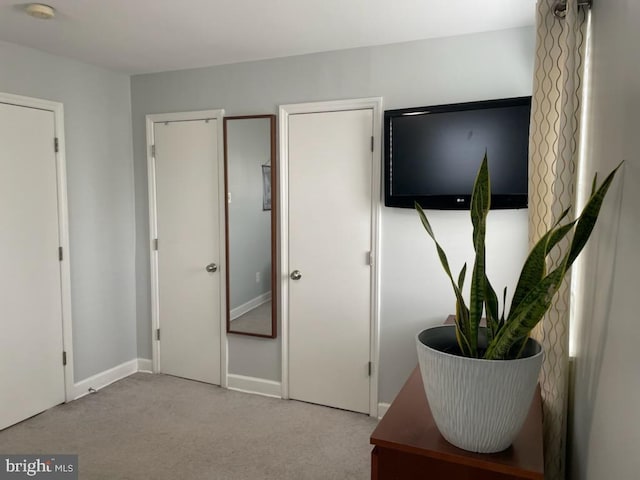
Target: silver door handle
[212, 267]
[296, 275]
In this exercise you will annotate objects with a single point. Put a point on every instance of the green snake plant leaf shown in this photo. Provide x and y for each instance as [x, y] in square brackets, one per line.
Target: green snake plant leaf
[535, 289]
[491, 309]
[481, 196]
[463, 332]
[461, 276]
[476, 300]
[530, 312]
[551, 238]
[462, 317]
[504, 308]
[535, 265]
[480, 205]
[462, 325]
[588, 217]
[525, 316]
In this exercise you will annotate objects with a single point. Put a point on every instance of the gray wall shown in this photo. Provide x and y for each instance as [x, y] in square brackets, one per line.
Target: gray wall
[101, 198]
[414, 293]
[248, 148]
[605, 424]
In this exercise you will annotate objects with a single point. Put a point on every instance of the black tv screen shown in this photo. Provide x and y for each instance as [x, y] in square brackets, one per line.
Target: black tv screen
[432, 154]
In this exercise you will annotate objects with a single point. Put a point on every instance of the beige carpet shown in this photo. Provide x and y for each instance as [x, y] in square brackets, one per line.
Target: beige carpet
[161, 427]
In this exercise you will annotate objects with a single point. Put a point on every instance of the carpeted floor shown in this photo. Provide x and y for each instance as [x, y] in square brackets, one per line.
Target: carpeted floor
[162, 427]
[257, 320]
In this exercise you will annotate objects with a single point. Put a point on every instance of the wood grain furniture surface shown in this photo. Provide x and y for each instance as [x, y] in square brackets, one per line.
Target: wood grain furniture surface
[408, 445]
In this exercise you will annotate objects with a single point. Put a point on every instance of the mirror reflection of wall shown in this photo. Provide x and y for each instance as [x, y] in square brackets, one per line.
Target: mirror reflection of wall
[249, 148]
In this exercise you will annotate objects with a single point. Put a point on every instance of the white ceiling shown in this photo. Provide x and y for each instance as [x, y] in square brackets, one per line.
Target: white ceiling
[142, 36]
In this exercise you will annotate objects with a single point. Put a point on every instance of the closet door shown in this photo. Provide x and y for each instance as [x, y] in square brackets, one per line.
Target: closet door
[188, 230]
[31, 370]
[330, 231]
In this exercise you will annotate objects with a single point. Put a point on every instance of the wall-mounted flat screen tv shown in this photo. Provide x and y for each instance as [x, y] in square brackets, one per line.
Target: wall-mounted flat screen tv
[432, 154]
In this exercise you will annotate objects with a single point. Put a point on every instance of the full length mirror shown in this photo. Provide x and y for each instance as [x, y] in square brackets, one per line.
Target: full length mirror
[250, 176]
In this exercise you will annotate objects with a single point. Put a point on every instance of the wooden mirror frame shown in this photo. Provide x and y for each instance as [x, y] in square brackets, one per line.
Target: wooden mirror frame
[274, 211]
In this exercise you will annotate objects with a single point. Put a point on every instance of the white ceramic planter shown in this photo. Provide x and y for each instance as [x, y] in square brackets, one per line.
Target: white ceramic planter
[478, 405]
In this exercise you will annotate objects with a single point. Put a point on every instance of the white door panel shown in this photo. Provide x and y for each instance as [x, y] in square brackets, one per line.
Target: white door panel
[188, 226]
[31, 371]
[330, 188]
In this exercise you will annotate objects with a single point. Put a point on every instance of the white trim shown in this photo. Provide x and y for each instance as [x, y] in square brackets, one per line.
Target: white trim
[283, 195]
[153, 231]
[240, 383]
[250, 305]
[63, 225]
[222, 215]
[375, 104]
[145, 365]
[382, 409]
[257, 386]
[376, 212]
[102, 379]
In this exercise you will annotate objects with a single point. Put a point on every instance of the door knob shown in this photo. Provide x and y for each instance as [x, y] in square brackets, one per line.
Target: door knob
[212, 267]
[296, 275]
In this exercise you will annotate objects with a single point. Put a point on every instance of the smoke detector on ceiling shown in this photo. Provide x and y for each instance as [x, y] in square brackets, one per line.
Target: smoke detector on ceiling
[38, 10]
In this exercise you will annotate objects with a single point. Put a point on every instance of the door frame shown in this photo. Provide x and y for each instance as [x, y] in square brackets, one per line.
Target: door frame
[217, 115]
[374, 104]
[57, 109]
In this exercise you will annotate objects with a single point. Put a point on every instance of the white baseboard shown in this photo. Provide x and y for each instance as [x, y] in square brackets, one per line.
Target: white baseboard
[101, 380]
[240, 383]
[250, 305]
[382, 409]
[259, 386]
[145, 365]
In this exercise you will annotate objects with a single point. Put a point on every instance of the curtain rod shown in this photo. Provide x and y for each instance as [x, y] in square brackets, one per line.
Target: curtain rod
[560, 8]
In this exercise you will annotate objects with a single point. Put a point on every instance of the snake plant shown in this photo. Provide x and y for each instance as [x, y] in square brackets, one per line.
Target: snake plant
[539, 280]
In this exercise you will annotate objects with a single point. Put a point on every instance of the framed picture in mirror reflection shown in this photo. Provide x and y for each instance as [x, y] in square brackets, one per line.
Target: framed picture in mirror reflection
[266, 187]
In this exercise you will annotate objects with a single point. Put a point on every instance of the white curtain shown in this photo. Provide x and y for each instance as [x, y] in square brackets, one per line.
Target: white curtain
[553, 159]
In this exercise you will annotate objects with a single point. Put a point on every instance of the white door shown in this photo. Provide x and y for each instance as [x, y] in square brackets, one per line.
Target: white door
[188, 232]
[31, 370]
[330, 189]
